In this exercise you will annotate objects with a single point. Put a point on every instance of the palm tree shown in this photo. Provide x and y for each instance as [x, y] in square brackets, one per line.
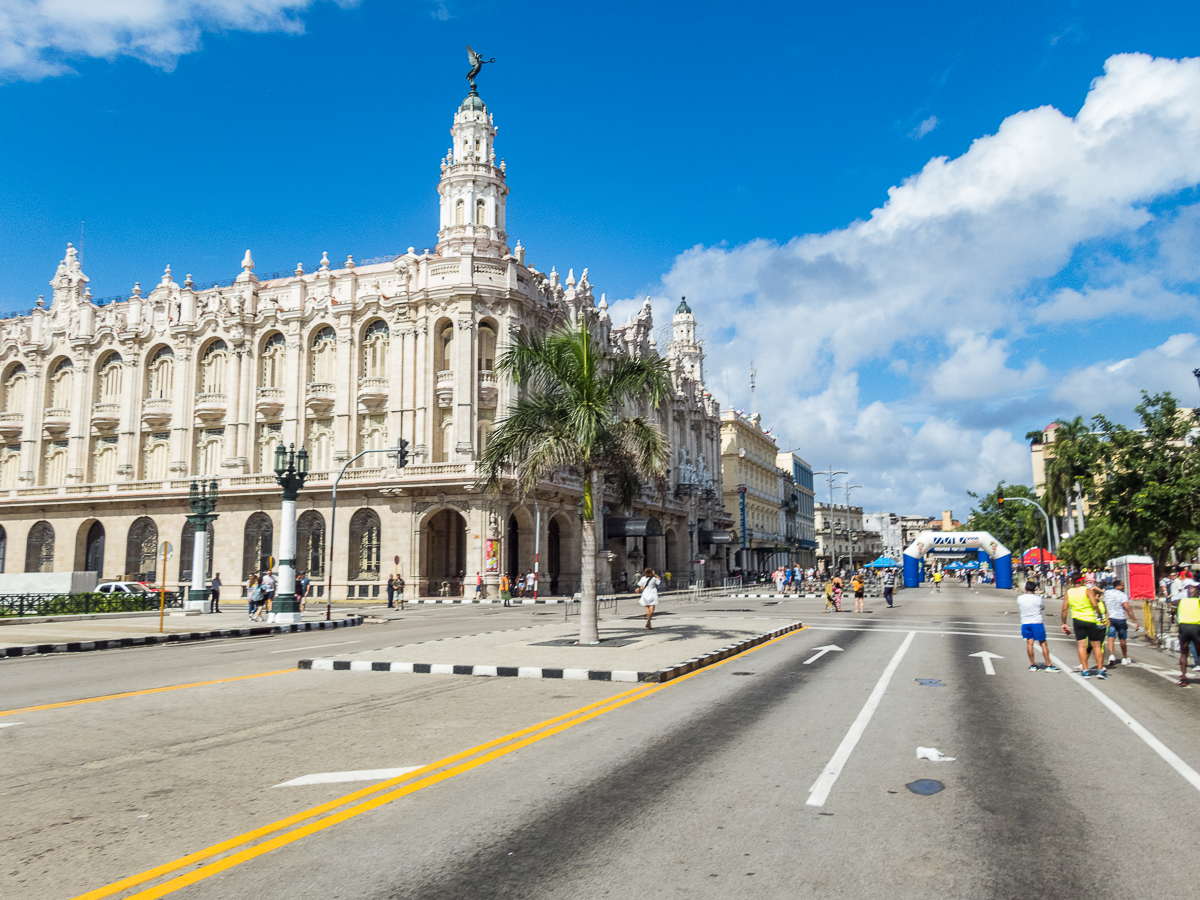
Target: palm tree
[573, 414]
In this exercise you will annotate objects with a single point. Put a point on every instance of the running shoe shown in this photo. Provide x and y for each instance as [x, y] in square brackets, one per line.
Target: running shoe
[1196, 668]
[1086, 673]
[1033, 668]
[1112, 660]
[1182, 682]
[1053, 669]
[1102, 674]
[1126, 661]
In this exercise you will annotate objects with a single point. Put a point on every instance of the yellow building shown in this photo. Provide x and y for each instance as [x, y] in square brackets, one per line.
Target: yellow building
[748, 467]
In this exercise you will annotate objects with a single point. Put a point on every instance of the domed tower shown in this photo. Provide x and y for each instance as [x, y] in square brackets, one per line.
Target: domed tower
[684, 346]
[472, 187]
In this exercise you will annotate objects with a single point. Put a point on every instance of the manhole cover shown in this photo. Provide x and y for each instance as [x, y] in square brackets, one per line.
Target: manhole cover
[925, 786]
[931, 682]
[743, 673]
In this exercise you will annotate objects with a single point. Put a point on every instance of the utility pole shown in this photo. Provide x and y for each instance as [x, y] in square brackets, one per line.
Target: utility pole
[850, 534]
[831, 474]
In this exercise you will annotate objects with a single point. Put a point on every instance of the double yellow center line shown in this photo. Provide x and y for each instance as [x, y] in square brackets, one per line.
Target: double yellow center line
[251, 845]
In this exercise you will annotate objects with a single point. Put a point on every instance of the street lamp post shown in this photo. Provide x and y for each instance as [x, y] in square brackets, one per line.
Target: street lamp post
[691, 551]
[202, 500]
[849, 533]
[291, 471]
[831, 474]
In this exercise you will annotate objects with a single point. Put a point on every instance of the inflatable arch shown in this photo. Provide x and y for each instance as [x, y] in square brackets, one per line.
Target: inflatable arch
[1000, 556]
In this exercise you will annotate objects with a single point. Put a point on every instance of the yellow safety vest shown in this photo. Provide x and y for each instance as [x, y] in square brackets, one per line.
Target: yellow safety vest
[1189, 611]
[1080, 607]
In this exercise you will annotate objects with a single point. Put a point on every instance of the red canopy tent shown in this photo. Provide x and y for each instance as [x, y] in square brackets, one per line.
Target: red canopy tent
[1037, 555]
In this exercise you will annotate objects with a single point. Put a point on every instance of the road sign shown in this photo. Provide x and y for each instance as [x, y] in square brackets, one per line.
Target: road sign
[988, 668]
[167, 550]
[397, 560]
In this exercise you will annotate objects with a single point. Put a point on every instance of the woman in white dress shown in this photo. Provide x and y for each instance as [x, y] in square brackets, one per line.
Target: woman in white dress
[647, 586]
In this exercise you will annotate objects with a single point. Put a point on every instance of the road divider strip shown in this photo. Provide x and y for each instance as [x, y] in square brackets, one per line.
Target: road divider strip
[364, 801]
[623, 675]
[150, 640]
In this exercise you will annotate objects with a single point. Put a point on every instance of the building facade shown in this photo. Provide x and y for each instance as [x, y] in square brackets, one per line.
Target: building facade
[110, 409]
[802, 525]
[890, 529]
[851, 544]
[757, 493]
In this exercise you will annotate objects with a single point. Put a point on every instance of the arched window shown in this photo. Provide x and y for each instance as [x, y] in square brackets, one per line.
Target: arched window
[60, 384]
[310, 544]
[210, 451]
[156, 454]
[55, 463]
[480, 212]
[14, 390]
[160, 374]
[375, 350]
[487, 346]
[447, 435]
[10, 464]
[364, 545]
[459, 213]
[187, 544]
[212, 368]
[445, 347]
[141, 551]
[104, 460]
[372, 435]
[483, 436]
[272, 361]
[256, 545]
[269, 435]
[39, 548]
[93, 554]
[108, 379]
[324, 355]
[320, 444]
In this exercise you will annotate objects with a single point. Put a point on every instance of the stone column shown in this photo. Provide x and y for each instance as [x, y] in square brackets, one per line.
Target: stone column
[233, 407]
[422, 391]
[465, 385]
[81, 421]
[129, 429]
[181, 414]
[31, 427]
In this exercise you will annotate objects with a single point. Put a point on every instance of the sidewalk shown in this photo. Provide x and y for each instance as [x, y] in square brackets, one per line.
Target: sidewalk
[78, 635]
[678, 643]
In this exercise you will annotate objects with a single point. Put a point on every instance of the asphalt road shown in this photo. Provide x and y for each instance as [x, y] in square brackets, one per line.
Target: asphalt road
[702, 787]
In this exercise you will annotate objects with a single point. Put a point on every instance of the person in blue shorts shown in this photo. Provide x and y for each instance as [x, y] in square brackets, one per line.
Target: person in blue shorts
[1033, 627]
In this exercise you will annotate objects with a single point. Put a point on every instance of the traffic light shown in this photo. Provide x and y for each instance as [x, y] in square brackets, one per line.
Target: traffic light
[402, 454]
[1000, 499]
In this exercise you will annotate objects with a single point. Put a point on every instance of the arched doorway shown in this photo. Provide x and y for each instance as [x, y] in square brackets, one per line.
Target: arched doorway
[364, 546]
[39, 548]
[553, 555]
[256, 545]
[514, 548]
[310, 544]
[3, 546]
[445, 541]
[93, 550]
[141, 551]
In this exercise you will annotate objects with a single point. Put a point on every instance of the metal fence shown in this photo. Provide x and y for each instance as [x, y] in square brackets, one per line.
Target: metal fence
[12, 605]
[574, 607]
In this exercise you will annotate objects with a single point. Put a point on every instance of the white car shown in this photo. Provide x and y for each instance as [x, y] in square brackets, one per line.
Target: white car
[123, 587]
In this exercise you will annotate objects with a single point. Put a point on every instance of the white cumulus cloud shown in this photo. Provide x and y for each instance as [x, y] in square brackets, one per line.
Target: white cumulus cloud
[39, 38]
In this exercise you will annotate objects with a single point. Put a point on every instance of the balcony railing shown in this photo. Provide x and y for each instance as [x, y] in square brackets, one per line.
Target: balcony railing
[445, 388]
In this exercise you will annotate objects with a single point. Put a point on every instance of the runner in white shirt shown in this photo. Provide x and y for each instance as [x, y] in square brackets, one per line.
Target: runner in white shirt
[1032, 608]
[1120, 611]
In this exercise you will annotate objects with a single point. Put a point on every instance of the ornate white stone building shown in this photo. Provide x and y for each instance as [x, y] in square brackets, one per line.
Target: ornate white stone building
[110, 409]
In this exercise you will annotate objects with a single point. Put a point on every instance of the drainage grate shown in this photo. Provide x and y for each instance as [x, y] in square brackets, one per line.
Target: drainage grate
[743, 673]
[930, 682]
[925, 786]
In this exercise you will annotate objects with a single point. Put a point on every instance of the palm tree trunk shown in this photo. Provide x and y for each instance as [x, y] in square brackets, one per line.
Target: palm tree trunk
[589, 632]
[1079, 506]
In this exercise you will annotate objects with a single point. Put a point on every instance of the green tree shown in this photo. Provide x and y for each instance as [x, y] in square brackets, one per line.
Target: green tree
[1071, 460]
[1151, 489]
[1017, 525]
[573, 414]
[1093, 548]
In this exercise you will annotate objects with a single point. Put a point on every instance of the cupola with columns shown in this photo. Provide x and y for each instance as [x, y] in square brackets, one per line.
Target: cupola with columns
[472, 187]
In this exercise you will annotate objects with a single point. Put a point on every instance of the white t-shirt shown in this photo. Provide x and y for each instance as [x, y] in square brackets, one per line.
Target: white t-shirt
[649, 586]
[1031, 606]
[1113, 602]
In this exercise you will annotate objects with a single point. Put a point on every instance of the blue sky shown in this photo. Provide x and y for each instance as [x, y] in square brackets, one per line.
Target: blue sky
[1046, 267]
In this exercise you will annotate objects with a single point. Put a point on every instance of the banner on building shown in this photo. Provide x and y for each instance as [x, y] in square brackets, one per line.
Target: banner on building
[492, 557]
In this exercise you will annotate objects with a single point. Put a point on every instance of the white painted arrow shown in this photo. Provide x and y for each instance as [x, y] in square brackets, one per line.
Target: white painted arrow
[988, 668]
[823, 650]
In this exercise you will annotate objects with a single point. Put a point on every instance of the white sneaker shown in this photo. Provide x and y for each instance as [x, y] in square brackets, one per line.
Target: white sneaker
[1126, 661]
[1112, 660]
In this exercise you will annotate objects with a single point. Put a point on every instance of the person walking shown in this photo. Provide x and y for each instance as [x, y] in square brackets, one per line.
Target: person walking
[303, 589]
[860, 603]
[837, 593]
[268, 587]
[1120, 611]
[1032, 607]
[391, 592]
[478, 586]
[1083, 608]
[214, 589]
[531, 585]
[257, 600]
[1187, 614]
[505, 589]
[647, 586]
[829, 607]
[889, 585]
[937, 581]
[250, 585]
[520, 587]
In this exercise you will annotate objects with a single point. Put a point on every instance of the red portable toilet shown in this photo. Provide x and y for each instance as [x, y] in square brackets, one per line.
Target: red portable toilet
[1138, 574]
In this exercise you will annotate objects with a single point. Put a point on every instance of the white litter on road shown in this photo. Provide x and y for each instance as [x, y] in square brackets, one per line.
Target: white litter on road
[339, 777]
[933, 754]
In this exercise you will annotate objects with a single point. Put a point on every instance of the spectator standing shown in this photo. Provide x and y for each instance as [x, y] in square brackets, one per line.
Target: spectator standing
[478, 586]
[391, 592]
[268, 587]
[303, 587]
[505, 589]
[1120, 611]
[1082, 608]
[214, 588]
[531, 584]
[400, 589]
[889, 585]
[860, 603]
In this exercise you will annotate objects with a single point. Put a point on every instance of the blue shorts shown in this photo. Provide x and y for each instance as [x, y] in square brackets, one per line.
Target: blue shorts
[1118, 628]
[1035, 632]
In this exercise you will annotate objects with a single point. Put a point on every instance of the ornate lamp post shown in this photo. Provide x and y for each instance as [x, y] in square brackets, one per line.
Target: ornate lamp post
[291, 470]
[202, 500]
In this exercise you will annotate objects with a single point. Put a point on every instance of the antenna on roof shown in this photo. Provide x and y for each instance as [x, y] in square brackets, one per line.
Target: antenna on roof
[753, 402]
[80, 254]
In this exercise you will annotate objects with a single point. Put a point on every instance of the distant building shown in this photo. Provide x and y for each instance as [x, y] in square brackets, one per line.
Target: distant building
[843, 538]
[749, 474]
[890, 529]
[801, 525]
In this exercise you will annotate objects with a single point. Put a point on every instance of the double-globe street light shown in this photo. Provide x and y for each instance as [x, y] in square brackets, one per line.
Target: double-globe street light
[202, 500]
[291, 471]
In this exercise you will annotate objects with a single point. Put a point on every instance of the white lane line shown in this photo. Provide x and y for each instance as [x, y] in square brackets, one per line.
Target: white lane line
[819, 792]
[1190, 775]
[315, 647]
[11, 724]
[1017, 637]
[340, 777]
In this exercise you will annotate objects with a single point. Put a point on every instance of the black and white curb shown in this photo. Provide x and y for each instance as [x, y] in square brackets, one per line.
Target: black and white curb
[515, 601]
[152, 639]
[691, 665]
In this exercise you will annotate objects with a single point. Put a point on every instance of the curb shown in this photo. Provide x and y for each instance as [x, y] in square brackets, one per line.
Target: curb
[524, 601]
[662, 675]
[152, 639]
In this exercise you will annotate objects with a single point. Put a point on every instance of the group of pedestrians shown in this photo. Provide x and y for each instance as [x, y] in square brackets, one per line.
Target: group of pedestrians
[836, 585]
[792, 579]
[1094, 613]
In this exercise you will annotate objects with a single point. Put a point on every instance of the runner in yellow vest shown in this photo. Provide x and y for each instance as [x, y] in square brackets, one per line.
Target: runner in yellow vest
[1187, 614]
[1083, 608]
[937, 580]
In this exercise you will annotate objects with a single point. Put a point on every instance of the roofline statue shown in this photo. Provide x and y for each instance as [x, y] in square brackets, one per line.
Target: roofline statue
[477, 63]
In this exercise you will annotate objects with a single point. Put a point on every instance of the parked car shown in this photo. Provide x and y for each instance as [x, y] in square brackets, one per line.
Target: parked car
[123, 587]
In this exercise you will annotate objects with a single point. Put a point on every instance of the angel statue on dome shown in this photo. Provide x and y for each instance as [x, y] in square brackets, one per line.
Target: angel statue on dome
[477, 63]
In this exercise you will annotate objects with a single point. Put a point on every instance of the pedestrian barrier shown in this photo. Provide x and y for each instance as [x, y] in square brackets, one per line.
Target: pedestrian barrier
[88, 603]
[574, 607]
